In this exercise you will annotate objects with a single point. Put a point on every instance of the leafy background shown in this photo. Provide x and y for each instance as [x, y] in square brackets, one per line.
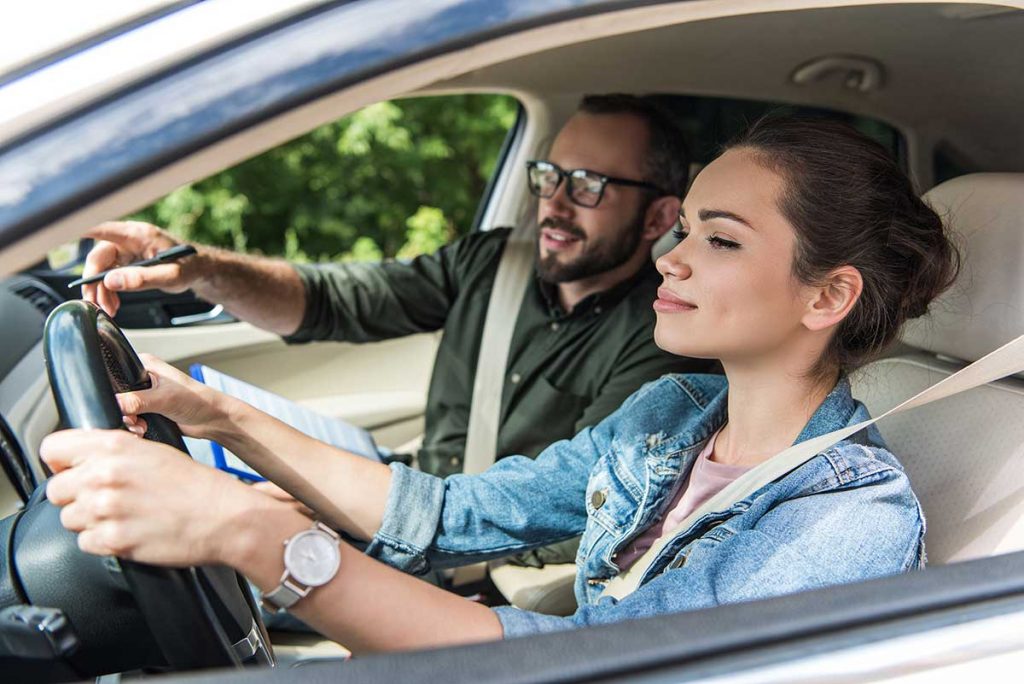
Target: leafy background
[395, 179]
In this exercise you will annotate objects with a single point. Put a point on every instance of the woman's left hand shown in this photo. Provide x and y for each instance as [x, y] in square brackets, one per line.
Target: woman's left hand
[142, 500]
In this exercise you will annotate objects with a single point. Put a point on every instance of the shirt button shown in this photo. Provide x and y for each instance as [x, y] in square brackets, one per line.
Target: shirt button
[597, 309]
[454, 460]
[515, 378]
[555, 326]
[598, 498]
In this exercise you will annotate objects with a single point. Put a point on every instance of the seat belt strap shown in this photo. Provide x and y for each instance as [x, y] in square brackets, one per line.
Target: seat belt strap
[1007, 360]
[514, 271]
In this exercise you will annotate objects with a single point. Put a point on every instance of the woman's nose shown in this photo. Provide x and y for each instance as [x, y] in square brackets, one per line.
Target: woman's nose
[675, 263]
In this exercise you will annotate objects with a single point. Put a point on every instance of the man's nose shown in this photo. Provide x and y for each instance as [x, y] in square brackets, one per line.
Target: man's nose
[559, 203]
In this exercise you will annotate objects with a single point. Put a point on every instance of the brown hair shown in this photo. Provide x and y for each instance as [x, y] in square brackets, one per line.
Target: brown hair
[851, 204]
[667, 161]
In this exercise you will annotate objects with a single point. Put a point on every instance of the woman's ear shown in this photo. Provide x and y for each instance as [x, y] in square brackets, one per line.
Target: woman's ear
[661, 215]
[830, 302]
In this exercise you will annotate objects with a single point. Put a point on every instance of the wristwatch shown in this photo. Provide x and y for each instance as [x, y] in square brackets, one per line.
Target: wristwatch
[311, 559]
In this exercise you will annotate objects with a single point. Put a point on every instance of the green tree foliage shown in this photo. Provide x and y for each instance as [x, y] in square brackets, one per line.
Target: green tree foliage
[395, 179]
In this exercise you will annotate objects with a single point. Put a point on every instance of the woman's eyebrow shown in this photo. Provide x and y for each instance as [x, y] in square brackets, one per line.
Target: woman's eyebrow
[708, 214]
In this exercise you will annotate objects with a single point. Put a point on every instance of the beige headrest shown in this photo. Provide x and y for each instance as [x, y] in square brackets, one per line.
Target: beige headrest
[985, 307]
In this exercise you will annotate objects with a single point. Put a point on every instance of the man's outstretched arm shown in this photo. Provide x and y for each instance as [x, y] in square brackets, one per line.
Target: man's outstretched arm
[267, 293]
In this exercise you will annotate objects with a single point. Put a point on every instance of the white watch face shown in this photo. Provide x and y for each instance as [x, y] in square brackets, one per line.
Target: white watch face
[312, 557]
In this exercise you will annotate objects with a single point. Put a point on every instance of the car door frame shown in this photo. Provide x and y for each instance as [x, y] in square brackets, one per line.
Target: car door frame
[199, 138]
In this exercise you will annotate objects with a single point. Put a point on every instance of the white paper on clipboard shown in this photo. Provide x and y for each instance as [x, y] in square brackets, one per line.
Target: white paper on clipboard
[333, 431]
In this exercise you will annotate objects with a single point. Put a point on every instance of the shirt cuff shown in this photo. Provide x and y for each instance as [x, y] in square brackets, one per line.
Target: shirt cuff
[516, 622]
[309, 277]
[410, 522]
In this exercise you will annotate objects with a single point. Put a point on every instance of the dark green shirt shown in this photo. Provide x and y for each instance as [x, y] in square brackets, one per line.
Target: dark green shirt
[566, 370]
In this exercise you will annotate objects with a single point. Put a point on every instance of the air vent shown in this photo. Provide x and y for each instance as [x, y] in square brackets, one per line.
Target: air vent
[38, 294]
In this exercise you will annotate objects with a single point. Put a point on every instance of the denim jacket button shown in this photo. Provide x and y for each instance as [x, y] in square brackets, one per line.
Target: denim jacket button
[598, 498]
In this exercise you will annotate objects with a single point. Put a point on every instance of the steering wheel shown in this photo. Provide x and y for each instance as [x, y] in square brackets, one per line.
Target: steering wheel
[201, 616]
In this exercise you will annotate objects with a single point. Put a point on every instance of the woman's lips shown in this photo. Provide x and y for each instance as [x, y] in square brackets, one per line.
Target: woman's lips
[670, 303]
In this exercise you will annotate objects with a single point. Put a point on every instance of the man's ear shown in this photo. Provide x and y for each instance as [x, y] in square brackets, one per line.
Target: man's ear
[660, 217]
[830, 302]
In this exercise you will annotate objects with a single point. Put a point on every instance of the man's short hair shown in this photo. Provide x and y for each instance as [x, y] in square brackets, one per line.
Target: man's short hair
[667, 161]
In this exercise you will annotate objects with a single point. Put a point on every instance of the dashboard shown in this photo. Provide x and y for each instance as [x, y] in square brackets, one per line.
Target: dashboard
[27, 412]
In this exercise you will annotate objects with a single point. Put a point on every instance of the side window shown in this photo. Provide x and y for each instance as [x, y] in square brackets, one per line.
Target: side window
[395, 179]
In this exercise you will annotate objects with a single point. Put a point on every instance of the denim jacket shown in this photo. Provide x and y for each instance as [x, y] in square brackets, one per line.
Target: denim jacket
[847, 514]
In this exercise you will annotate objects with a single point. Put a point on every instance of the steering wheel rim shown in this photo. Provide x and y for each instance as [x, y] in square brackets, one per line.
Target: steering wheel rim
[88, 360]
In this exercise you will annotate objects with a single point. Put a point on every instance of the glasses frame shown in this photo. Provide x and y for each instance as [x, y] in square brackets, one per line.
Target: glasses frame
[569, 174]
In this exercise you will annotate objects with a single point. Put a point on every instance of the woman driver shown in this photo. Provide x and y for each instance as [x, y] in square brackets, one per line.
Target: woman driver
[802, 249]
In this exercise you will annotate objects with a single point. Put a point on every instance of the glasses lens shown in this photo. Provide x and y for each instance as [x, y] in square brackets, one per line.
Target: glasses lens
[585, 187]
[543, 179]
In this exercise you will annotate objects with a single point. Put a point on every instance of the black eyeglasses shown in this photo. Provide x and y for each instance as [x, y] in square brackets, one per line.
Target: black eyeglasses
[585, 187]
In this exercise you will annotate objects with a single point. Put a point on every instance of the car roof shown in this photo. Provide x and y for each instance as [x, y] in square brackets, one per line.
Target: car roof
[40, 32]
[44, 76]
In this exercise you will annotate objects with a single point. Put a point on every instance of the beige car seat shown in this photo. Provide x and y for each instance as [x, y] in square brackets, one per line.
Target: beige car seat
[964, 454]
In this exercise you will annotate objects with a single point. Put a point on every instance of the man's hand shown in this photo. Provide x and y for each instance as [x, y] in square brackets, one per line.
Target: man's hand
[267, 293]
[122, 242]
[143, 500]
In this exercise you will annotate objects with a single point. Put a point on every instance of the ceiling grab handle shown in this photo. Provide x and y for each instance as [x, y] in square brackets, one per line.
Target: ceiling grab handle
[859, 73]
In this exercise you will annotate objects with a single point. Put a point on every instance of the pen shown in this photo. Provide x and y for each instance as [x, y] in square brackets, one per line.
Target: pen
[172, 254]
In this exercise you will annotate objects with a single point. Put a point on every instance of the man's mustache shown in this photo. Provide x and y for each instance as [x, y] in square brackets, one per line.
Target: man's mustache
[563, 225]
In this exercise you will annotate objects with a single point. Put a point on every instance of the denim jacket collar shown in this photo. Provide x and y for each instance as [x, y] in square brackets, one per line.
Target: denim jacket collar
[710, 394]
[835, 411]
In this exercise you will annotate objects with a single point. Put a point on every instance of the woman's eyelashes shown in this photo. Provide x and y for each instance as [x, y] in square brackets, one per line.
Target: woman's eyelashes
[722, 243]
[716, 242]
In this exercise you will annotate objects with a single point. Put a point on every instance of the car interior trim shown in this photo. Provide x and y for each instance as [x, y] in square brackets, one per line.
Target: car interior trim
[22, 390]
[483, 217]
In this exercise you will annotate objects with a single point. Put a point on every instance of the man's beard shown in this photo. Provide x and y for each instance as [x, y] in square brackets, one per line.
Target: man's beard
[598, 256]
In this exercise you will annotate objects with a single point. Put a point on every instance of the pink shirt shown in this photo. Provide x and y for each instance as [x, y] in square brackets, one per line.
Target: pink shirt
[706, 479]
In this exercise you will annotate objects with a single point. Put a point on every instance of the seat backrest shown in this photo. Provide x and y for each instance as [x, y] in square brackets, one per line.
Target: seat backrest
[965, 454]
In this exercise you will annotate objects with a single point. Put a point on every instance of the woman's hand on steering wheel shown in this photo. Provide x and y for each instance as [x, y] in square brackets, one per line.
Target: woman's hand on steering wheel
[144, 501]
[199, 411]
